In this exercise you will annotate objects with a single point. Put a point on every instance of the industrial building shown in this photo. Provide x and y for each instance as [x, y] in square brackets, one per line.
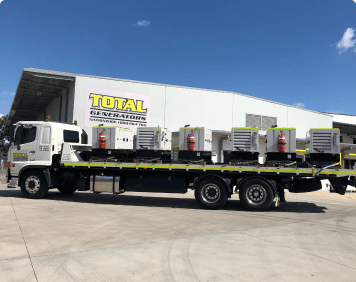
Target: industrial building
[93, 100]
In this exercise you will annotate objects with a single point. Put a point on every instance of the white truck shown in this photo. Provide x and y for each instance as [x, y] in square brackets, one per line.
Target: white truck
[46, 155]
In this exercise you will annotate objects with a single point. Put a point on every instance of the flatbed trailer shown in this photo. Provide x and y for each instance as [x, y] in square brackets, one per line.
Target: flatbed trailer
[258, 187]
[46, 155]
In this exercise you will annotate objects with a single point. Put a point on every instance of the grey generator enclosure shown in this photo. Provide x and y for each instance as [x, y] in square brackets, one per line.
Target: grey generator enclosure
[325, 141]
[115, 137]
[324, 145]
[153, 138]
[244, 145]
[281, 145]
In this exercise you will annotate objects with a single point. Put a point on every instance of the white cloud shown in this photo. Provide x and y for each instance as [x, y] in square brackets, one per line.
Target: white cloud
[142, 23]
[354, 1]
[8, 93]
[1, 115]
[299, 105]
[346, 42]
[1, 1]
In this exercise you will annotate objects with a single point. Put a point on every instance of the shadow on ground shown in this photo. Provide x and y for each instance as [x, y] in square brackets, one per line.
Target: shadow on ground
[155, 201]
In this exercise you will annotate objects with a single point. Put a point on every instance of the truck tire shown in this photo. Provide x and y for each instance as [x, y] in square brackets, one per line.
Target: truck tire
[33, 184]
[67, 189]
[256, 195]
[210, 193]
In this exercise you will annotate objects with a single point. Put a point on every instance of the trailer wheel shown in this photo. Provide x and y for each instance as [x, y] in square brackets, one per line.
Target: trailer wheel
[33, 184]
[256, 195]
[211, 193]
[67, 189]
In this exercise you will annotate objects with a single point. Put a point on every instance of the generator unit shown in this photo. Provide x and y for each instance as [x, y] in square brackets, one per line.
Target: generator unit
[153, 143]
[281, 145]
[111, 141]
[244, 145]
[195, 144]
[324, 145]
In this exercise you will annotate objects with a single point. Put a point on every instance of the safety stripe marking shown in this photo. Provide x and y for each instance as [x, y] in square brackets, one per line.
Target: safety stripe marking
[328, 194]
[318, 194]
[341, 196]
[211, 168]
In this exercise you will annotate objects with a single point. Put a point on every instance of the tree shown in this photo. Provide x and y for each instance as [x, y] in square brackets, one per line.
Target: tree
[4, 140]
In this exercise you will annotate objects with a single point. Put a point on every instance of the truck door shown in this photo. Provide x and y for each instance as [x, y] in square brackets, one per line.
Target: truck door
[24, 149]
[43, 152]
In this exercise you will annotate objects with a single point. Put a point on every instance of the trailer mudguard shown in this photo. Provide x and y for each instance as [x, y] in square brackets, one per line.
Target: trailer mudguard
[268, 181]
[43, 168]
[339, 185]
[228, 186]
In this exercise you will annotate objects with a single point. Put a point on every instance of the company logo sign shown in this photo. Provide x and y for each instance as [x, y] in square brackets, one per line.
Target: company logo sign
[20, 157]
[116, 108]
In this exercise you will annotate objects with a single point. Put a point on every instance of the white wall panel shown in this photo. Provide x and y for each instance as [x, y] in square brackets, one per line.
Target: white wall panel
[287, 116]
[304, 120]
[173, 106]
[210, 109]
[246, 105]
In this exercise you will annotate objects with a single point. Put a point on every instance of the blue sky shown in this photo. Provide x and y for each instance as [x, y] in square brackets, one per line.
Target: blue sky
[294, 52]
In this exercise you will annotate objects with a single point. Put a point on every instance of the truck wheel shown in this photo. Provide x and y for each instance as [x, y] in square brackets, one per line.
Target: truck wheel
[211, 193]
[256, 195]
[67, 189]
[33, 184]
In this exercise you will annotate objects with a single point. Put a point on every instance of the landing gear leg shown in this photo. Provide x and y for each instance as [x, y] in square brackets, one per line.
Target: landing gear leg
[281, 195]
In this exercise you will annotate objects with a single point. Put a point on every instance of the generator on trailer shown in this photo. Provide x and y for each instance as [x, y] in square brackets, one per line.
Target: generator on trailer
[153, 143]
[195, 144]
[324, 146]
[112, 142]
[46, 155]
[244, 146]
[281, 145]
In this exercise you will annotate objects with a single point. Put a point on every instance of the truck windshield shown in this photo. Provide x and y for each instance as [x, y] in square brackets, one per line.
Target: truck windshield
[25, 135]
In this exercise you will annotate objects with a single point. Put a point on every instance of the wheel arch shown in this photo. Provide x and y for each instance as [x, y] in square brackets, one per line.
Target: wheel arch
[40, 168]
[268, 181]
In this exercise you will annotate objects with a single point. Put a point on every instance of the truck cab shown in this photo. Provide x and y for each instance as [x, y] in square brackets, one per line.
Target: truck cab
[37, 145]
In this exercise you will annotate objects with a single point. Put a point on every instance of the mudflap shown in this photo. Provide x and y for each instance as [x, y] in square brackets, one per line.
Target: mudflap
[339, 185]
[305, 185]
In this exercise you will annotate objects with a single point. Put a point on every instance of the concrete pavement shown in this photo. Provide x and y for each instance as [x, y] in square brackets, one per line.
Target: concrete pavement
[163, 237]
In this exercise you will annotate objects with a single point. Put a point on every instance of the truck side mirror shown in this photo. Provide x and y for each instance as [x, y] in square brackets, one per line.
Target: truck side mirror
[12, 133]
[18, 137]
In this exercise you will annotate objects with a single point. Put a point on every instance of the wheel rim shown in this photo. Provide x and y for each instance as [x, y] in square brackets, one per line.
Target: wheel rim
[210, 193]
[256, 195]
[32, 184]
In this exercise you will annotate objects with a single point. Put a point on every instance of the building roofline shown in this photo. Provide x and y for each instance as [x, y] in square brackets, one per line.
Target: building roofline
[58, 73]
[340, 114]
